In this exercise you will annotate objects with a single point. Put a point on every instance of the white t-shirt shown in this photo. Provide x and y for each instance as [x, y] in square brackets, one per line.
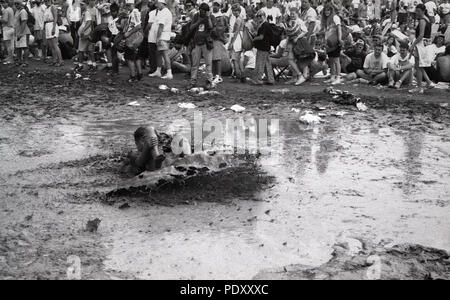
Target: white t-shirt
[380, 63]
[399, 61]
[356, 3]
[272, 14]
[310, 16]
[154, 28]
[433, 50]
[134, 19]
[336, 20]
[431, 8]
[38, 14]
[164, 17]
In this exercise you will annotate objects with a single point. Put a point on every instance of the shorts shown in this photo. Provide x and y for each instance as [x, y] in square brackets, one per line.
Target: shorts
[22, 42]
[219, 51]
[39, 35]
[85, 45]
[48, 31]
[335, 53]
[8, 33]
[131, 54]
[162, 45]
[143, 51]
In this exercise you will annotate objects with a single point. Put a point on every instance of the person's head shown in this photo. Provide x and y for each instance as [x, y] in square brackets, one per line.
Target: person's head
[378, 49]
[359, 46]
[216, 6]
[376, 39]
[114, 10]
[260, 17]
[140, 136]
[188, 5]
[421, 11]
[390, 41]
[18, 4]
[83, 6]
[328, 11]
[203, 9]
[91, 3]
[403, 49]
[439, 40]
[236, 9]
[269, 3]
[294, 13]
[161, 4]
[306, 4]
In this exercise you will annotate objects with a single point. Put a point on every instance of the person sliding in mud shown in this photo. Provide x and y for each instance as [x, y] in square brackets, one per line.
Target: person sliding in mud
[148, 157]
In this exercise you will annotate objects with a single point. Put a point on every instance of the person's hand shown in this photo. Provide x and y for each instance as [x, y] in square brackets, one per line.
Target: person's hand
[126, 35]
[54, 31]
[230, 47]
[411, 49]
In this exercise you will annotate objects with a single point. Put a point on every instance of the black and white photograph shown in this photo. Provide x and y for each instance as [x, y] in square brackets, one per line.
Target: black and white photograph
[224, 140]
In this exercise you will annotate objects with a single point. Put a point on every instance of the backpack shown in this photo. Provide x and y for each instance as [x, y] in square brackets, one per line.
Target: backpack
[186, 34]
[277, 32]
[30, 21]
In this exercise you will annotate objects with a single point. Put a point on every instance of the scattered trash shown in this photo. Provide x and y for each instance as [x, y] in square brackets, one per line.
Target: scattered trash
[282, 91]
[175, 90]
[196, 90]
[163, 87]
[78, 76]
[237, 108]
[443, 105]
[68, 75]
[186, 105]
[124, 206]
[92, 225]
[134, 103]
[296, 110]
[320, 108]
[361, 106]
[209, 93]
[339, 114]
[441, 86]
[309, 118]
[86, 78]
[29, 217]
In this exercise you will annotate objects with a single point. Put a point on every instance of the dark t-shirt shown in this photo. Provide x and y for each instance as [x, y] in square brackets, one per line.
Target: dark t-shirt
[203, 31]
[264, 44]
[357, 59]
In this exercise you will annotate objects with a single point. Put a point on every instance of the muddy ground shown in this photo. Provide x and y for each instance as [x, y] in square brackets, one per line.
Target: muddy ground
[381, 174]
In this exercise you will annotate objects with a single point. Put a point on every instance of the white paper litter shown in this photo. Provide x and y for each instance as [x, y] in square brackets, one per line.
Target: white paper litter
[186, 105]
[134, 103]
[281, 91]
[163, 87]
[209, 93]
[309, 118]
[237, 108]
[296, 110]
[361, 106]
[196, 90]
[174, 90]
[339, 114]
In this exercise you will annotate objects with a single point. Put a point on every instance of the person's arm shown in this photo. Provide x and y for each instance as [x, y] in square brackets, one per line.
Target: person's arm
[278, 54]
[55, 20]
[148, 27]
[422, 25]
[209, 23]
[160, 31]
[311, 27]
[197, 23]
[23, 23]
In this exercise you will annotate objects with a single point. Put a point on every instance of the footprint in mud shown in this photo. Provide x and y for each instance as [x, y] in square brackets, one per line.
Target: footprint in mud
[33, 153]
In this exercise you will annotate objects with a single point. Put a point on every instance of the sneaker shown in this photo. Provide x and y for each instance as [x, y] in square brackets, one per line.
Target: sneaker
[431, 86]
[132, 80]
[167, 76]
[338, 80]
[416, 91]
[391, 84]
[364, 81]
[155, 74]
[300, 80]
[398, 85]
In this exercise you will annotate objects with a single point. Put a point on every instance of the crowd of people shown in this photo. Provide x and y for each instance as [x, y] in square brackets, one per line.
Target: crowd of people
[389, 42]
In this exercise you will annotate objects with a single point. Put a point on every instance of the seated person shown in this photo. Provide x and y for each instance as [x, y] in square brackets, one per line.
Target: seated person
[400, 68]
[375, 67]
[435, 50]
[319, 64]
[179, 58]
[352, 59]
[443, 66]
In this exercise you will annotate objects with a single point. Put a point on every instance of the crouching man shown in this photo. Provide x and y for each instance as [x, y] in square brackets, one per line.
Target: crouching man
[400, 68]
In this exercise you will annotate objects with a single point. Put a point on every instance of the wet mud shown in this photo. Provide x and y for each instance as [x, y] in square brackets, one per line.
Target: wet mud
[381, 173]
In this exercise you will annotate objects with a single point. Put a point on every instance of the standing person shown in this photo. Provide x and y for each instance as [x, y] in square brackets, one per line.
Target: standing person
[132, 55]
[85, 47]
[273, 14]
[219, 40]
[38, 12]
[152, 30]
[163, 24]
[331, 25]
[22, 33]
[262, 43]
[74, 19]
[90, 46]
[309, 16]
[235, 45]
[418, 49]
[7, 21]
[202, 25]
[52, 32]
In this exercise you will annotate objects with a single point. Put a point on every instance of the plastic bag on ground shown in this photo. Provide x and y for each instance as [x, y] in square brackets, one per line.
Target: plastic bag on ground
[186, 105]
[237, 108]
[310, 119]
